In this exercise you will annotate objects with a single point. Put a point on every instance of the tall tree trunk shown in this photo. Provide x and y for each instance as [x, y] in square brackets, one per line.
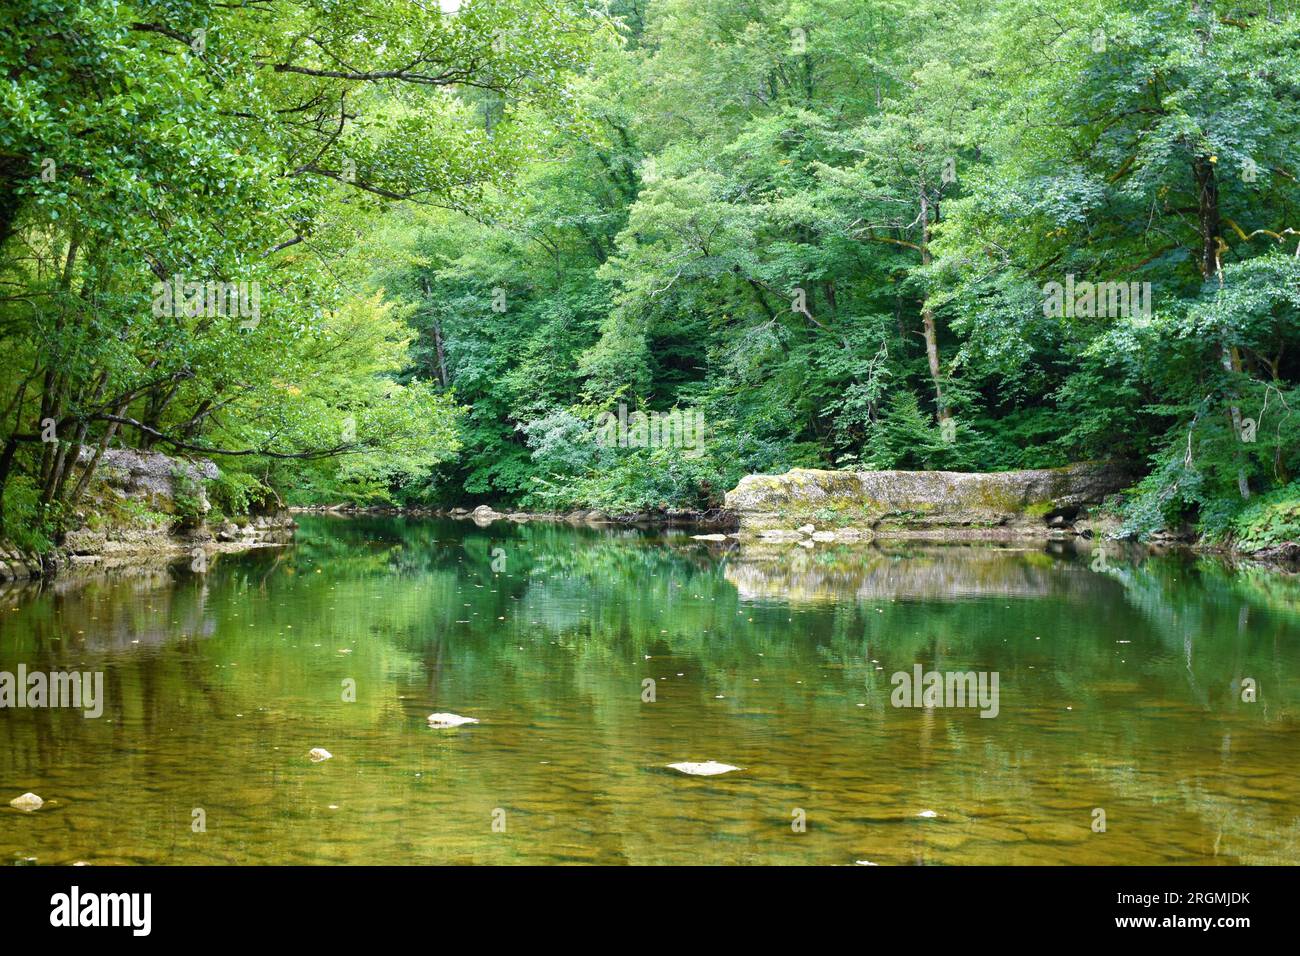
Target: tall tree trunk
[927, 317]
[93, 465]
[54, 456]
[1208, 218]
[56, 452]
[191, 429]
[437, 326]
[442, 355]
[157, 404]
[47, 409]
[75, 448]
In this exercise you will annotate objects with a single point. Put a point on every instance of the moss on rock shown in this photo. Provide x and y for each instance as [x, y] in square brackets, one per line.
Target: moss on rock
[920, 499]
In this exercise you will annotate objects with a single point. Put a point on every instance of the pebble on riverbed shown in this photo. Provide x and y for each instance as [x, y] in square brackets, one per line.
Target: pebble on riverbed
[27, 802]
[445, 721]
[709, 768]
[317, 754]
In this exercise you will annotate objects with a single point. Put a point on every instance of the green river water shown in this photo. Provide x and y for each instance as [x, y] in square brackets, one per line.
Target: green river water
[1118, 690]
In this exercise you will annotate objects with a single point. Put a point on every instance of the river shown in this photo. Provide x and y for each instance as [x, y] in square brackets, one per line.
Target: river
[1119, 691]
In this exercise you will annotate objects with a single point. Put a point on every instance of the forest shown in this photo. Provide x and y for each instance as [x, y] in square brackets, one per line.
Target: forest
[419, 254]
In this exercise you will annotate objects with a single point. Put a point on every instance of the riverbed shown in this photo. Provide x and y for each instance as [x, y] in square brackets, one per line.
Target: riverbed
[1147, 711]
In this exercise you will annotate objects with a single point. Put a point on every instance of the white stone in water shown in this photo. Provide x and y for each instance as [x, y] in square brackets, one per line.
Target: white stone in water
[927, 814]
[865, 863]
[806, 529]
[317, 754]
[443, 721]
[28, 802]
[709, 768]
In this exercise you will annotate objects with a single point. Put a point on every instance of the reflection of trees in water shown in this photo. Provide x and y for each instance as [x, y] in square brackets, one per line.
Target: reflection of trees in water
[394, 593]
[1218, 627]
[132, 626]
[619, 594]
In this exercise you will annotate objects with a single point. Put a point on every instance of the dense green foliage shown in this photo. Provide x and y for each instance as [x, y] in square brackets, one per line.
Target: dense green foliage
[186, 192]
[836, 230]
[830, 225]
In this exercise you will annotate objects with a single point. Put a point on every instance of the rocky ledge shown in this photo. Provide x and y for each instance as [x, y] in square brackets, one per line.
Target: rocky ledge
[145, 507]
[844, 505]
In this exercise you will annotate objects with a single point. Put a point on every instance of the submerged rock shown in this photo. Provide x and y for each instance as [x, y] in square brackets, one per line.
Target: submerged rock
[27, 802]
[317, 754]
[444, 721]
[709, 768]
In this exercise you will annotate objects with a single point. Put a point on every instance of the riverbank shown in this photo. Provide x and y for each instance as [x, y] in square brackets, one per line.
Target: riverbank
[149, 509]
[1087, 529]
[95, 553]
[145, 509]
[486, 514]
[844, 505]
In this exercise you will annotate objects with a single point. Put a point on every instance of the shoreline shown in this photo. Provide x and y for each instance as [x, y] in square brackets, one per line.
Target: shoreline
[161, 550]
[485, 515]
[722, 525]
[86, 554]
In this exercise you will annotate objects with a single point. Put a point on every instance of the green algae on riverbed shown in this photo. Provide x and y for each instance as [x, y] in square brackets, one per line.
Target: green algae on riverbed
[1119, 691]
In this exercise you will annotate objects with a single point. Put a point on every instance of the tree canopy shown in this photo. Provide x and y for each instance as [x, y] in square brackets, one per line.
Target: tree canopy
[843, 232]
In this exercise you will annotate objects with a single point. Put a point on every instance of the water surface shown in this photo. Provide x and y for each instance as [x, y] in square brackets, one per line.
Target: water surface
[1118, 690]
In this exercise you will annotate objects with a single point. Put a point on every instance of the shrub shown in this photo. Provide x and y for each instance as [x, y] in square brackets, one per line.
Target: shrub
[187, 497]
[1268, 520]
[236, 493]
[22, 520]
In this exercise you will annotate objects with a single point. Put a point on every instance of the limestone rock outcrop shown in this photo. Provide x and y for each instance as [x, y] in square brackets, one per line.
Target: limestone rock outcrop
[882, 501]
